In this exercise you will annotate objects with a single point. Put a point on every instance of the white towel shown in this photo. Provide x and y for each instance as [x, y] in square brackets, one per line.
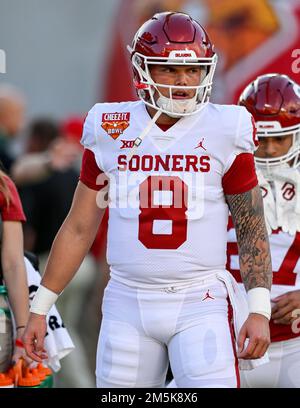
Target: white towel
[58, 342]
[240, 313]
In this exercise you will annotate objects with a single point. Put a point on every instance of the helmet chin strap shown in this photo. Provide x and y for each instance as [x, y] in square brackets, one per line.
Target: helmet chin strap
[139, 139]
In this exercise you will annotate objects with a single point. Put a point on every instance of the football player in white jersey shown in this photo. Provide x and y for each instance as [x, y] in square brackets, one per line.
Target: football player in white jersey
[274, 102]
[173, 165]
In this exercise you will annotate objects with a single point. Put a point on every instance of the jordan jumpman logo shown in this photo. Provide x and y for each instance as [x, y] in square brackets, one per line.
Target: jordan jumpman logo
[207, 296]
[200, 144]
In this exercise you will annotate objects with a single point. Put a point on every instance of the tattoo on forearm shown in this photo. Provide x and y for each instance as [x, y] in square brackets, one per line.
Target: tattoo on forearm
[253, 242]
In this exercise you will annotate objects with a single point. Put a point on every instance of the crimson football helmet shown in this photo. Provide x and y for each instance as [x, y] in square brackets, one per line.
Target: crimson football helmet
[172, 38]
[274, 102]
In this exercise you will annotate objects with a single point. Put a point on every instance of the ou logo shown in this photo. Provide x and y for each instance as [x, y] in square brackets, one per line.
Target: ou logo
[288, 191]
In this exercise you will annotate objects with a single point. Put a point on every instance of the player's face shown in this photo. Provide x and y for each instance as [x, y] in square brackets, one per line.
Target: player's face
[272, 147]
[175, 75]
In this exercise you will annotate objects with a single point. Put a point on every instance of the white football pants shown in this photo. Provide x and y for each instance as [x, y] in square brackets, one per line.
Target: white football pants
[283, 370]
[142, 329]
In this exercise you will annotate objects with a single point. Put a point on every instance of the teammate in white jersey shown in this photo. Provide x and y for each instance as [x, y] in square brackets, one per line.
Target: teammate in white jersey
[173, 165]
[274, 102]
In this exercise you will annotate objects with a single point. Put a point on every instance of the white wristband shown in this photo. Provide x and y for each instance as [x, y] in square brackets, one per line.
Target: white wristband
[259, 301]
[43, 300]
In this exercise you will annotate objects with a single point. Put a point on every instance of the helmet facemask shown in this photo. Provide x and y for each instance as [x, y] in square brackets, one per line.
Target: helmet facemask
[147, 88]
[291, 158]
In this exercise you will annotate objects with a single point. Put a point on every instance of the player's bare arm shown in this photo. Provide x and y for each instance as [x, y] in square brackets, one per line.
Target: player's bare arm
[255, 266]
[74, 238]
[254, 252]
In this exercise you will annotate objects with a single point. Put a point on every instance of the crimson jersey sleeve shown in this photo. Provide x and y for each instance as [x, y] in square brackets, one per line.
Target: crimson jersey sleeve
[241, 176]
[12, 211]
[90, 171]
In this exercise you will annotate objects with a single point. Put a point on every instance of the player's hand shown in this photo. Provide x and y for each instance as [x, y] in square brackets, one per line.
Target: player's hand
[256, 329]
[33, 337]
[19, 352]
[282, 310]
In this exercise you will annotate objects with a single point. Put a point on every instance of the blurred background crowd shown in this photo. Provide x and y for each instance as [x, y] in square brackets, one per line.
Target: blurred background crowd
[65, 55]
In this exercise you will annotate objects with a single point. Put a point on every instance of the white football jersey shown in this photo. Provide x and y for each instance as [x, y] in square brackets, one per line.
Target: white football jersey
[167, 210]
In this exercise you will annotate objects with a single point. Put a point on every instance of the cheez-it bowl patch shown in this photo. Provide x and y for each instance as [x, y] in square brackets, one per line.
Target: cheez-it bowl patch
[115, 123]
